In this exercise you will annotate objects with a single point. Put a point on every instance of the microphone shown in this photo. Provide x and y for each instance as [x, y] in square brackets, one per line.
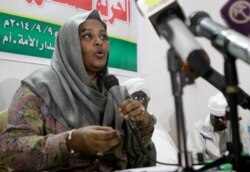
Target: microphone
[111, 83]
[226, 40]
[167, 19]
[218, 81]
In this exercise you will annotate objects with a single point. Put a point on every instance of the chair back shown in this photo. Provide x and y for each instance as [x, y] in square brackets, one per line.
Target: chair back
[3, 119]
[3, 122]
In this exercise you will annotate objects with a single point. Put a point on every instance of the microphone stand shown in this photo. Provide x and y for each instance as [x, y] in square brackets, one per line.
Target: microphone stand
[234, 146]
[178, 80]
[231, 92]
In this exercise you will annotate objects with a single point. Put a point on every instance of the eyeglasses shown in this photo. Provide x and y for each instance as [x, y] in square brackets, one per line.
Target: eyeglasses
[223, 118]
[142, 99]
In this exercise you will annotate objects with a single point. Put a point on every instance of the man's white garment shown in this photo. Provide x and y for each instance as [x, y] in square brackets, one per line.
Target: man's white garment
[212, 146]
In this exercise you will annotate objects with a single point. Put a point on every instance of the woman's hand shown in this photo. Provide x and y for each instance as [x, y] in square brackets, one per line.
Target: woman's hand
[93, 140]
[133, 110]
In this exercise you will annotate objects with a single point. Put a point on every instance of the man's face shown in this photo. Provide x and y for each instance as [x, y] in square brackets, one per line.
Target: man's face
[219, 123]
[141, 97]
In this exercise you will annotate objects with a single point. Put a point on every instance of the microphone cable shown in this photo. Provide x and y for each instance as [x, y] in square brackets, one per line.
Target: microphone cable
[136, 133]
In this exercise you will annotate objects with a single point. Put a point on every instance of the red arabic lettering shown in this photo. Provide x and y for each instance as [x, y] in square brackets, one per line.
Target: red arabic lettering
[38, 2]
[119, 13]
[103, 9]
[82, 4]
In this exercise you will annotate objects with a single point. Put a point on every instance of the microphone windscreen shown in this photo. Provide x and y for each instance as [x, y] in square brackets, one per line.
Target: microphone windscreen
[110, 81]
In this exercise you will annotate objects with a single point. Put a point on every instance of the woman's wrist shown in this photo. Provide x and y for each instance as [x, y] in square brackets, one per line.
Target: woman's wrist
[69, 141]
[149, 121]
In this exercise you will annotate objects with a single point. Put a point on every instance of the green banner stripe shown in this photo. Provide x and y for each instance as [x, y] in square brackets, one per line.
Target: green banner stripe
[32, 37]
[27, 36]
[123, 55]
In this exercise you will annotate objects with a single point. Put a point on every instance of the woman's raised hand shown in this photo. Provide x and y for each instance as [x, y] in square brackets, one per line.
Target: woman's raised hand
[134, 110]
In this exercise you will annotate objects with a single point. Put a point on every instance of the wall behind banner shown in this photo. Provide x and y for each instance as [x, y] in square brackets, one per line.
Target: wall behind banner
[151, 52]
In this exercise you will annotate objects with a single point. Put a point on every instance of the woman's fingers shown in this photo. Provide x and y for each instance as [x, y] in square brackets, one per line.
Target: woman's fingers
[97, 138]
[132, 110]
[98, 127]
[105, 135]
[100, 132]
[106, 145]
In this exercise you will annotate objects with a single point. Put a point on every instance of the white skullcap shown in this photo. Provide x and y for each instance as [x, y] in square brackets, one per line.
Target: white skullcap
[217, 105]
[136, 84]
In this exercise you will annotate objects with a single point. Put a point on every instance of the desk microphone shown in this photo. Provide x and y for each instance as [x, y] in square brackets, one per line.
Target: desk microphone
[222, 38]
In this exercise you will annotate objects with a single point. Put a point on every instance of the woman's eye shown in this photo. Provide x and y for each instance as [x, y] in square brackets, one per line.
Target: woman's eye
[86, 36]
[104, 37]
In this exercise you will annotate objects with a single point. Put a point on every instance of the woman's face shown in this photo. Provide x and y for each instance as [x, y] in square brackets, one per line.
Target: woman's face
[94, 45]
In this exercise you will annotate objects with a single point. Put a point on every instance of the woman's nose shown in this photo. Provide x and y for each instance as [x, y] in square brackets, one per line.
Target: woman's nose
[98, 41]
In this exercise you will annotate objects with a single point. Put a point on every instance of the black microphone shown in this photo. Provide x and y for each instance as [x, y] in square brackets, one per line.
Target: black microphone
[226, 40]
[167, 19]
[218, 81]
[111, 83]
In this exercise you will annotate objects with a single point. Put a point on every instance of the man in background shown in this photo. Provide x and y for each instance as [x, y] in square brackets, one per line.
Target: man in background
[165, 147]
[209, 137]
